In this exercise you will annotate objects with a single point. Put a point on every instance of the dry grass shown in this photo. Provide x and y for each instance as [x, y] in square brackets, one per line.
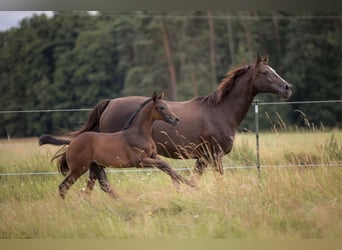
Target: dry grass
[296, 202]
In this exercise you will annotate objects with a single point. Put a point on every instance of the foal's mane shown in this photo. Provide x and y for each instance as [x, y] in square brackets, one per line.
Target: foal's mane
[134, 115]
[225, 86]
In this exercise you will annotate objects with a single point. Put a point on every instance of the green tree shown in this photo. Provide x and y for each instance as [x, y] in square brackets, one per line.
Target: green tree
[73, 60]
[313, 64]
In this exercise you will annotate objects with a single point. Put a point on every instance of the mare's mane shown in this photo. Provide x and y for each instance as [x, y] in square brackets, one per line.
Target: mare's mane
[224, 87]
[134, 115]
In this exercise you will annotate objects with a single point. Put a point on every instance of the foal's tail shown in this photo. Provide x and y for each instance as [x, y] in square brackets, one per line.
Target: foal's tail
[92, 124]
[61, 163]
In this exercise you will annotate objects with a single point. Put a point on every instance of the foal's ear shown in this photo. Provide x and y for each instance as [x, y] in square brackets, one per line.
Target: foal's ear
[265, 60]
[154, 96]
[161, 96]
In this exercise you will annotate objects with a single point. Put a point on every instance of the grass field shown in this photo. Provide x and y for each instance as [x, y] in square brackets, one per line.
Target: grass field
[284, 203]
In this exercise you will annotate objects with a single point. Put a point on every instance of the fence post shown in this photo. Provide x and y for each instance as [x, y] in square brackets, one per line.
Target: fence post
[257, 133]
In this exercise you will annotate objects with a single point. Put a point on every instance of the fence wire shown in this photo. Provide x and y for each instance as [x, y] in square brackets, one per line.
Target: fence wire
[258, 166]
[89, 109]
[181, 169]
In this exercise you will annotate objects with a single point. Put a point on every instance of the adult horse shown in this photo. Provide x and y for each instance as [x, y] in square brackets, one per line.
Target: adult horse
[208, 123]
[132, 146]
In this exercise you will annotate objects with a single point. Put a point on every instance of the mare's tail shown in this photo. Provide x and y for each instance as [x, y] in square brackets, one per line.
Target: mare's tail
[61, 163]
[49, 139]
[92, 124]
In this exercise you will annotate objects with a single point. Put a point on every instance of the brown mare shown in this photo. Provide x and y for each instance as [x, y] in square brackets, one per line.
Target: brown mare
[208, 123]
[131, 147]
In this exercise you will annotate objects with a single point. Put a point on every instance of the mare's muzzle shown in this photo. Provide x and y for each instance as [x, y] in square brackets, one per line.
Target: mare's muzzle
[286, 90]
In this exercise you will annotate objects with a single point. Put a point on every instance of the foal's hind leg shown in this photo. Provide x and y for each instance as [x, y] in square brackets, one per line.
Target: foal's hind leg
[69, 181]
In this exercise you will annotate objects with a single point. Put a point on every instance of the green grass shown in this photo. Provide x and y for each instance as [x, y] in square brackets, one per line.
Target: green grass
[278, 203]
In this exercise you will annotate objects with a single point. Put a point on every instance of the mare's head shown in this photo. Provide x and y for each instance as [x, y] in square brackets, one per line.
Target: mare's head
[161, 111]
[266, 80]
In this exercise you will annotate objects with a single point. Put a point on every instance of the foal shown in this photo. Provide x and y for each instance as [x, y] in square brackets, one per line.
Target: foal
[131, 147]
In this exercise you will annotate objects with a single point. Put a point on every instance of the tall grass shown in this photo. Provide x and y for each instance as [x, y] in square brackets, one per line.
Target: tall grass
[293, 202]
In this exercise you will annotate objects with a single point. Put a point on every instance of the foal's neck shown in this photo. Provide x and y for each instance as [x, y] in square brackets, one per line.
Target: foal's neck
[142, 124]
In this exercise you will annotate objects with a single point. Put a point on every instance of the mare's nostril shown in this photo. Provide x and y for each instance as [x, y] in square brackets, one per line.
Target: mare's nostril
[288, 87]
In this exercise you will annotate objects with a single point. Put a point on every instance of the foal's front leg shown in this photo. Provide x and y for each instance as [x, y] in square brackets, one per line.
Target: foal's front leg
[163, 166]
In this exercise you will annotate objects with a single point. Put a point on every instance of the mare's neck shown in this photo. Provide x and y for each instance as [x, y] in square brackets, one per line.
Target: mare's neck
[236, 103]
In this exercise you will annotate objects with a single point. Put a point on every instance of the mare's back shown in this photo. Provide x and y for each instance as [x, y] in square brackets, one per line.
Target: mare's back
[118, 112]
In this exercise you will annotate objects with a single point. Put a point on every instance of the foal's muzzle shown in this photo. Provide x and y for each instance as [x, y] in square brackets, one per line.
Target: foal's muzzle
[174, 121]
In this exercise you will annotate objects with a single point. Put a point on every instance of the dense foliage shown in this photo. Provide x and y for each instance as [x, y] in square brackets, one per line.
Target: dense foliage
[74, 60]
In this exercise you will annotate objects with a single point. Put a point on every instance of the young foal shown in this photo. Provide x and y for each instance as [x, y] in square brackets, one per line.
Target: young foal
[131, 147]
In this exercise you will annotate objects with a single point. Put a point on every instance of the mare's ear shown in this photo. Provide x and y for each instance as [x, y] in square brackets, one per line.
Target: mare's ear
[265, 60]
[258, 60]
[154, 96]
[161, 96]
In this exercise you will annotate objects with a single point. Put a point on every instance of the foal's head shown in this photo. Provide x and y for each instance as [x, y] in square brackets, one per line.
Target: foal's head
[268, 81]
[161, 111]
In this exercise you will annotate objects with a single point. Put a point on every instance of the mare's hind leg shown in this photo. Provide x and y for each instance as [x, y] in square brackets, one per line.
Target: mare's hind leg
[103, 180]
[92, 178]
[69, 181]
[96, 172]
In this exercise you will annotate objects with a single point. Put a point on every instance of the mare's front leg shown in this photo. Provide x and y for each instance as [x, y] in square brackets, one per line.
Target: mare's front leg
[218, 166]
[166, 168]
[198, 170]
[200, 166]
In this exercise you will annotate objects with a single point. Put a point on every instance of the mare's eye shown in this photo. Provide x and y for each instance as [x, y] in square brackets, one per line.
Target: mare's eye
[265, 73]
[161, 108]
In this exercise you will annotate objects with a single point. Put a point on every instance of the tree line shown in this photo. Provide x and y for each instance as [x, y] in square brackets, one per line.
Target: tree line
[74, 60]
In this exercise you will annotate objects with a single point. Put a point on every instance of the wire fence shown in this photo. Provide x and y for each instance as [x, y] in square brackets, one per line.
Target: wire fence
[256, 103]
[89, 109]
[140, 170]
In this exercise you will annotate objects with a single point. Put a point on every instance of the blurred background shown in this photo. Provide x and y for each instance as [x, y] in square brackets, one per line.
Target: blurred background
[73, 60]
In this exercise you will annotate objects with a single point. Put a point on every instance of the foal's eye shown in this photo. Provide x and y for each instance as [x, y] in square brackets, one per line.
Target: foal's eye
[265, 73]
[162, 108]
